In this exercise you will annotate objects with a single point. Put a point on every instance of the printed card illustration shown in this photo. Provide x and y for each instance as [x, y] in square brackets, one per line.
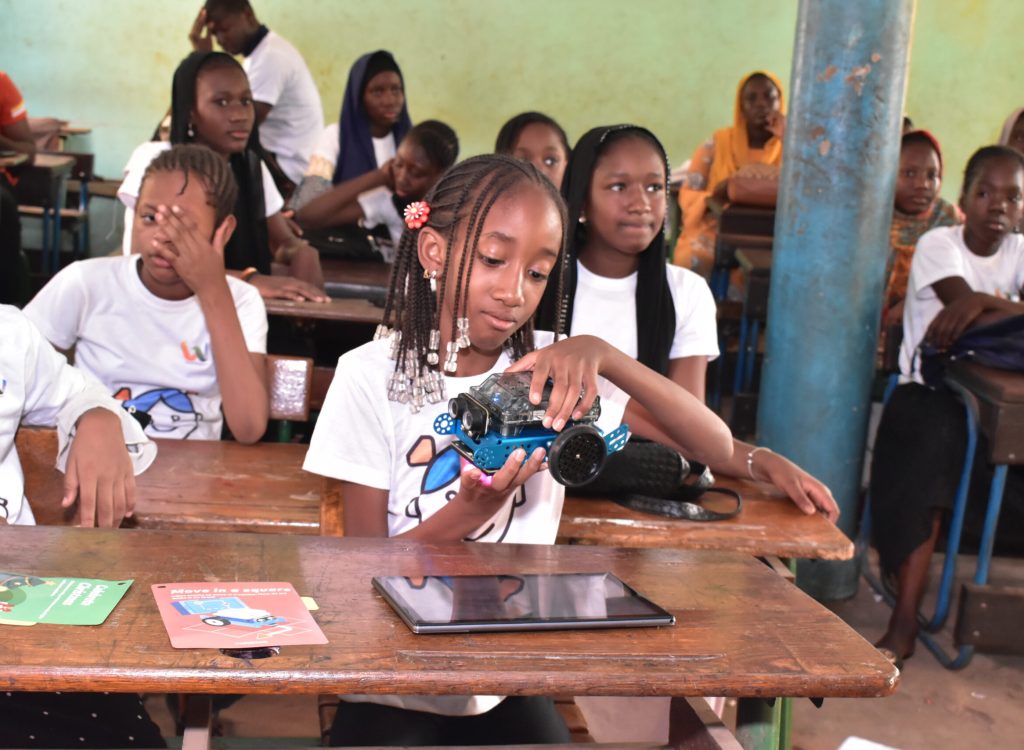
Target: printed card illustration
[237, 614]
[27, 599]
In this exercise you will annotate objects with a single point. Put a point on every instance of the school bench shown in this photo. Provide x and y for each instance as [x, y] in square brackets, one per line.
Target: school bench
[739, 227]
[41, 190]
[756, 267]
[741, 630]
[989, 617]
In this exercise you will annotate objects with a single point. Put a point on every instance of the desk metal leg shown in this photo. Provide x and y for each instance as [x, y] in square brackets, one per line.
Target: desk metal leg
[758, 723]
[692, 725]
[198, 722]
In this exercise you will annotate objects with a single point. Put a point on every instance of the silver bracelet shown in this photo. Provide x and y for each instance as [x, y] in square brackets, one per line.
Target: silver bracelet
[750, 460]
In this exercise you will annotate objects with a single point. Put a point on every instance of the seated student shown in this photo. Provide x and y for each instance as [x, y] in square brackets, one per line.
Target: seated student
[918, 209]
[374, 120]
[468, 276]
[536, 138]
[288, 109]
[424, 154]
[1012, 134]
[212, 105]
[619, 288]
[961, 276]
[41, 389]
[165, 330]
[14, 136]
[755, 138]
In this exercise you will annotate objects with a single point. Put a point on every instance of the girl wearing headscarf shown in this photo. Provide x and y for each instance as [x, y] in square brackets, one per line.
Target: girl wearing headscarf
[1012, 134]
[917, 209]
[755, 137]
[211, 105]
[374, 119]
[618, 287]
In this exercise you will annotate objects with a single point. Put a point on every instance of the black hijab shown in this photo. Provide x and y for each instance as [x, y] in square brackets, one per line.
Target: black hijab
[249, 245]
[655, 311]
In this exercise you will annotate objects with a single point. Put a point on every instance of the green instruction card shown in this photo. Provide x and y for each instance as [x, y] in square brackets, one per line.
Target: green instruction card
[27, 599]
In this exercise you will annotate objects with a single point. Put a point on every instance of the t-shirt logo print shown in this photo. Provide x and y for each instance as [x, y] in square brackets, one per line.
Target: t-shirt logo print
[195, 353]
[441, 470]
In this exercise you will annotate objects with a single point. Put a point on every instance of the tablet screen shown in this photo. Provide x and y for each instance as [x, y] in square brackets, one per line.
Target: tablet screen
[465, 604]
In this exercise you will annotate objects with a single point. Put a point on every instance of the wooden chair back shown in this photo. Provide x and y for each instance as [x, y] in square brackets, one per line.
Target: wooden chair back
[44, 485]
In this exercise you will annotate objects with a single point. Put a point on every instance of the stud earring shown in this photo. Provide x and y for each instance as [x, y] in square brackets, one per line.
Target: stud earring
[432, 277]
[191, 131]
[582, 219]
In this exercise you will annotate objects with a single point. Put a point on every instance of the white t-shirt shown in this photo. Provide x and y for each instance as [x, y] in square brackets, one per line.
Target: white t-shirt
[278, 76]
[941, 254]
[325, 155]
[606, 308]
[153, 355]
[378, 208]
[134, 170]
[39, 388]
[364, 438]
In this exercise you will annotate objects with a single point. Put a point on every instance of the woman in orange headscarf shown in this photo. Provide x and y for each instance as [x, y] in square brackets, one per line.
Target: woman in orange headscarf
[754, 138]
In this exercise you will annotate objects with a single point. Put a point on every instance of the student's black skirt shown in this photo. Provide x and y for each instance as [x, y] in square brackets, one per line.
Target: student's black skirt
[918, 460]
[76, 720]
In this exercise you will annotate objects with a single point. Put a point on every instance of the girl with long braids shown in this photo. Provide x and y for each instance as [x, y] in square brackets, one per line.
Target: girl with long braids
[211, 105]
[470, 270]
[619, 287]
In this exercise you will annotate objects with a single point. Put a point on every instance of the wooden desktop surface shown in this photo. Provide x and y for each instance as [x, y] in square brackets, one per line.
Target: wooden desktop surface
[769, 524]
[741, 629]
[12, 160]
[344, 310]
[355, 272]
[199, 485]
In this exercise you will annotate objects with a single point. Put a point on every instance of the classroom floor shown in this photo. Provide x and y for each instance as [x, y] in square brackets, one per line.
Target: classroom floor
[933, 708]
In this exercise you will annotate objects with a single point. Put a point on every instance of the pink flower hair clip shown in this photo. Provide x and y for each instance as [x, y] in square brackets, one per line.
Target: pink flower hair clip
[416, 214]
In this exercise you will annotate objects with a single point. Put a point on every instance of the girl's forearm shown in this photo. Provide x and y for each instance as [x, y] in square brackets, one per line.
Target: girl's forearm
[242, 383]
[669, 411]
[339, 205]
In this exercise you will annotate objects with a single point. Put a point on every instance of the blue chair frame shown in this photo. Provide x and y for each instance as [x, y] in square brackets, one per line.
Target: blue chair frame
[929, 626]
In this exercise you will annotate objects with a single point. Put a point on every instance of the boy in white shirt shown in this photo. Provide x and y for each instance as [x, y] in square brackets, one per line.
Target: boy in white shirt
[164, 329]
[101, 448]
[38, 388]
[288, 108]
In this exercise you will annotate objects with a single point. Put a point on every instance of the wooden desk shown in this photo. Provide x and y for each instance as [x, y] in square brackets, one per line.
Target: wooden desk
[196, 485]
[741, 630]
[769, 524]
[346, 278]
[12, 160]
[738, 227]
[1000, 398]
[44, 184]
[344, 310]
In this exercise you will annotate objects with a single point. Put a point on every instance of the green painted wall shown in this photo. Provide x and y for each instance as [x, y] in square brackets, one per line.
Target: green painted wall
[669, 64]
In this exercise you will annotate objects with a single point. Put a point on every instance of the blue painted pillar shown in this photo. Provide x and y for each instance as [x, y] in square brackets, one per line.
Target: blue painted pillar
[831, 242]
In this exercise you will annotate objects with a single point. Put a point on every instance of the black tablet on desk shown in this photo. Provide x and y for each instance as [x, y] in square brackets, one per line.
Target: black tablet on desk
[488, 603]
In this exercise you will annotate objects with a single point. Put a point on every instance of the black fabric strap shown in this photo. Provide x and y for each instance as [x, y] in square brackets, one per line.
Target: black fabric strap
[685, 509]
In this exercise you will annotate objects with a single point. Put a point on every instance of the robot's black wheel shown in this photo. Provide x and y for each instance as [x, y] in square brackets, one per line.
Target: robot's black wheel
[577, 455]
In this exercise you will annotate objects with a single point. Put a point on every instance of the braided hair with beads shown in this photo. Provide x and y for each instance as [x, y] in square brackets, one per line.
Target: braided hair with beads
[460, 200]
